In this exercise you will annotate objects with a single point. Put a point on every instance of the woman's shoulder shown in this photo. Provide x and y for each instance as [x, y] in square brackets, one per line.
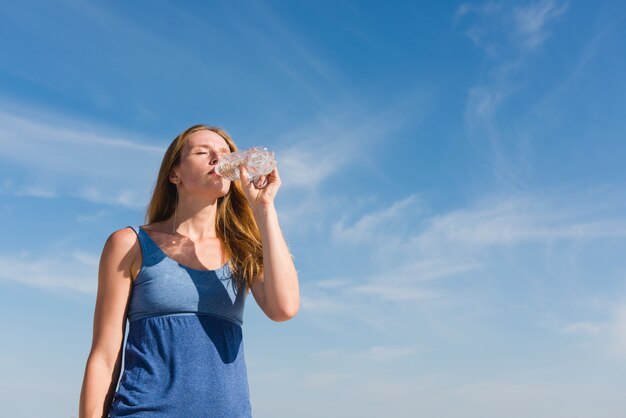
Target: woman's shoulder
[122, 239]
[123, 245]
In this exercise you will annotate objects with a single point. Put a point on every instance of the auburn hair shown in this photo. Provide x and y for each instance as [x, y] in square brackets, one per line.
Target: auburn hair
[234, 224]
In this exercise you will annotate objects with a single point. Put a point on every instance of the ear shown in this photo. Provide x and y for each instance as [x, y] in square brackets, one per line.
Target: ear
[173, 177]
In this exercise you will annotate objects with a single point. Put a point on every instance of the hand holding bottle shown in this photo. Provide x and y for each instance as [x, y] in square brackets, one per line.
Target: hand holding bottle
[260, 197]
[256, 168]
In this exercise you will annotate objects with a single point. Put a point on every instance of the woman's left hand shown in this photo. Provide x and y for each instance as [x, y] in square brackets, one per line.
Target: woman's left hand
[260, 195]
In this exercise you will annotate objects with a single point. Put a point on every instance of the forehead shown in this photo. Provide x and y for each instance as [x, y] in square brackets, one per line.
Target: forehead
[206, 138]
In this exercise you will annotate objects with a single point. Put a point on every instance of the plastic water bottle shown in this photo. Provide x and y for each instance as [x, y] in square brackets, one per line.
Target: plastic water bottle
[259, 161]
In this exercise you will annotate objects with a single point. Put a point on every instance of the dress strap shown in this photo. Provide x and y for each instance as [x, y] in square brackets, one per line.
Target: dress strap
[142, 243]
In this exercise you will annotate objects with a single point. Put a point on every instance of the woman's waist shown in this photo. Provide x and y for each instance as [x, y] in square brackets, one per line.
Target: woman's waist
[136, 317]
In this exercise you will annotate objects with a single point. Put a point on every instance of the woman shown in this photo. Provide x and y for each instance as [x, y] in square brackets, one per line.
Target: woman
[181, 281]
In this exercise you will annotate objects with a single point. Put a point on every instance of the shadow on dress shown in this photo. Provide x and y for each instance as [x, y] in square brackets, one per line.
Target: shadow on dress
[225, 335]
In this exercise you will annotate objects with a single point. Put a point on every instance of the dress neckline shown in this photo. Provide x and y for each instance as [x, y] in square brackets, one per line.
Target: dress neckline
[177, 262]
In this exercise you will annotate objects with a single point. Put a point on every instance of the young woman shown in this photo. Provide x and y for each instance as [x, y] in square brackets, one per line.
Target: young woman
[181, 281]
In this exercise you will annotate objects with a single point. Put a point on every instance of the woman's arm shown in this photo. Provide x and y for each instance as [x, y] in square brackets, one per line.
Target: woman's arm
[276, 291]
[104, 361]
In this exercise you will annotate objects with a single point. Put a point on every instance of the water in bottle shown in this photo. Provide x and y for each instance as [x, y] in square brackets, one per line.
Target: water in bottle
[259, 161]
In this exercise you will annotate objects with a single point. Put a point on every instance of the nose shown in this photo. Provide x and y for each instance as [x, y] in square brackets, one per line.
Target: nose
[214, 160]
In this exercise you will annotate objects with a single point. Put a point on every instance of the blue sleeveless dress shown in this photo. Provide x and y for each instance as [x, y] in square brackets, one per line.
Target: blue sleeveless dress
[184, 354]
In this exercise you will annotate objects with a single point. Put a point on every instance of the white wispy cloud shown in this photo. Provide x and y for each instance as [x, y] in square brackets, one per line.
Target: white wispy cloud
[384, 353]
[587, 55]
[427, 264]
[385, 302]
[510, 33]
[312, 302]
[62, 157]
[328, 354]
[74, 271]
[342, 143]
[307, 165]
[531, 20]
[584, 327]
[371, 224]
[36, 192]
[375, 353]
[497, 26]
[391, 292]
[91, 217]
[518, 219]
[343, 136]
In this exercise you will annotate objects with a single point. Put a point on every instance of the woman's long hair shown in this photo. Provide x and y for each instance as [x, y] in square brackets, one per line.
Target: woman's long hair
[234, 223]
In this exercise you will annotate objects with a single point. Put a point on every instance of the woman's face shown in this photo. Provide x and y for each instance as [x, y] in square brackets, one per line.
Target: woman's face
[199, 156]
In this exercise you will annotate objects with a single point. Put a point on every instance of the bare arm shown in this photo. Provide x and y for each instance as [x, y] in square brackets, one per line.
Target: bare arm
[277, 291]
[104, 361]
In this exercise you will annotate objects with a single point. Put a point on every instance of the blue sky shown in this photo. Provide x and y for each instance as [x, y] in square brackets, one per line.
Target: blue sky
[453, 193]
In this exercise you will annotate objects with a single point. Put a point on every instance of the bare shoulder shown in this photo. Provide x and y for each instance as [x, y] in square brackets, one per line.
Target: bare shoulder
[122, 249]
[124, 239]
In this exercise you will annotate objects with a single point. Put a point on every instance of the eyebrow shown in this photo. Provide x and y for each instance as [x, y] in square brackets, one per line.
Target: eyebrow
[208, 146]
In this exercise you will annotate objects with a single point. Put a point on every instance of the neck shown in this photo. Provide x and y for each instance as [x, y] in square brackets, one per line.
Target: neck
[195, 218]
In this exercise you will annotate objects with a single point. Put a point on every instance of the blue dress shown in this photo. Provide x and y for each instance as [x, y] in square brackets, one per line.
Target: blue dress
[184, 354]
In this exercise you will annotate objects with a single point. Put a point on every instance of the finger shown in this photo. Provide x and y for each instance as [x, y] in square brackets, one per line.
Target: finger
[243, 176]
[261, 182]
[274, 178]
